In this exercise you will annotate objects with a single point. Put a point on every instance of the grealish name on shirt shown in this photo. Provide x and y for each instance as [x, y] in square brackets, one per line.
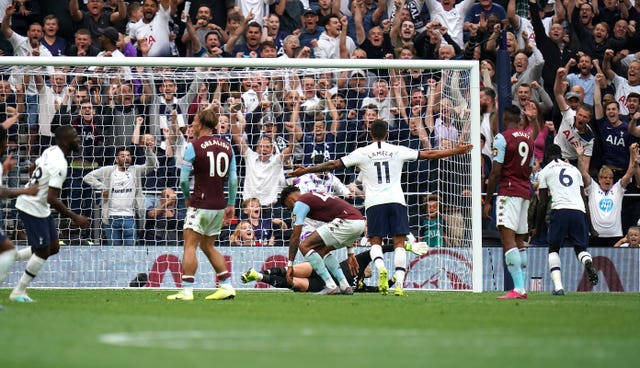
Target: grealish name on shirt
[215, 142]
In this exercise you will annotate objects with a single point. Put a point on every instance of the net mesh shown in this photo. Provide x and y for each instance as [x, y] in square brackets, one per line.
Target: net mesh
[318, 114]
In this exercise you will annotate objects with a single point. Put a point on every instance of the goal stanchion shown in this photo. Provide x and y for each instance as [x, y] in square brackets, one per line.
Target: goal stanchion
[321, 108]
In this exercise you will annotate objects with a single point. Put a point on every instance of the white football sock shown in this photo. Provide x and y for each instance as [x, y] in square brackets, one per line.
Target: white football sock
[376, 256]
[31, 271]
[24, 254]
[400, 263]
[6, 260]
[554, 268]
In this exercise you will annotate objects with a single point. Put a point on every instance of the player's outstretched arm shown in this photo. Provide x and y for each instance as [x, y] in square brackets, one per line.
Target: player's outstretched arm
[323, 167]
[460, 149]
[53, 198]
[14, 192]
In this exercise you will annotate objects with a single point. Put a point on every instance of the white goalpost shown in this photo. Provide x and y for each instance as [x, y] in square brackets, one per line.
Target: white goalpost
[429, 104]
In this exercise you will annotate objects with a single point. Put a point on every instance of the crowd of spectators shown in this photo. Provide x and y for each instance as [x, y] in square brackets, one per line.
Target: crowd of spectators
[575, 73]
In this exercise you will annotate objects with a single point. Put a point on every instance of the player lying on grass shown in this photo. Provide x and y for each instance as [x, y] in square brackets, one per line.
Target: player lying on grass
[343, 224]
[305, 279]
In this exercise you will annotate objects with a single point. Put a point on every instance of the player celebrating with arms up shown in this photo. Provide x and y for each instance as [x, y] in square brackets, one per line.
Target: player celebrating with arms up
[35, 211]
[380, 165]
[212, 161]
[343, 224]
[512, 162]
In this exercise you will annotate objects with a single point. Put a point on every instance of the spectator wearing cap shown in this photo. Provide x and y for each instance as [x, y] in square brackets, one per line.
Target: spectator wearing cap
[334, 42]
[290, 13]
[96, 16]
[151, 33]
[107, 39]
[310, 31]
[358, 88]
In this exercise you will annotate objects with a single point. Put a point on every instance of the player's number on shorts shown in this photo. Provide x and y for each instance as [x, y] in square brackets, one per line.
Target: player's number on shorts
[382, 176]
[35, 177]
[218, 164]
[523, 151]
[565, 180]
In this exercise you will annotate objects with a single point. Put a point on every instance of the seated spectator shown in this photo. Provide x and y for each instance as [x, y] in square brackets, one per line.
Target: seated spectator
[631, 240]
[244, 236]
[432, 227]
[264, 228]
[164, 221]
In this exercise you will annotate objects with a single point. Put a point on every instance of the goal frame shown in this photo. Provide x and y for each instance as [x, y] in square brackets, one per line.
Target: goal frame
[471, 66]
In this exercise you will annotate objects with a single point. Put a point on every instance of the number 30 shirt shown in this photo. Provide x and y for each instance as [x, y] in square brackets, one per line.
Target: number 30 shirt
[50, 171]
[380, 165]
[513, 148]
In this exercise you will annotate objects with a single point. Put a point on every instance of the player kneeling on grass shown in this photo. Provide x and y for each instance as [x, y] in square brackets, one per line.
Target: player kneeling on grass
[343, 225]
[305, 279]
[211, 159]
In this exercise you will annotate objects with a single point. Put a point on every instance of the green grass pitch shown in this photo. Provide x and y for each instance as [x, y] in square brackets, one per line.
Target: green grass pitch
[139, 328]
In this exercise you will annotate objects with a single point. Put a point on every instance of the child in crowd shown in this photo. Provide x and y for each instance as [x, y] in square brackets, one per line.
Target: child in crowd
[632, 240]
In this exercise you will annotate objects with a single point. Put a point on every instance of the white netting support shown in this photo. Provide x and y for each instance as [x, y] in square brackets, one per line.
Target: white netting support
[129, 106]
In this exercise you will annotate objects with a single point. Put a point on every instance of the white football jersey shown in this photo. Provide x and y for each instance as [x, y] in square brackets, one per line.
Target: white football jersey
[380, 165]
[564, 182]
[50, 171]
[605, 209]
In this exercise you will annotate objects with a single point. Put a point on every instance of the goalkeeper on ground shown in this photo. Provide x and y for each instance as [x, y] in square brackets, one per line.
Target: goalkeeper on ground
[306, 280]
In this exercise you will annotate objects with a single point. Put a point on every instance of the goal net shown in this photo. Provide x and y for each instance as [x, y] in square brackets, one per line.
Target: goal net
[297, 112]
